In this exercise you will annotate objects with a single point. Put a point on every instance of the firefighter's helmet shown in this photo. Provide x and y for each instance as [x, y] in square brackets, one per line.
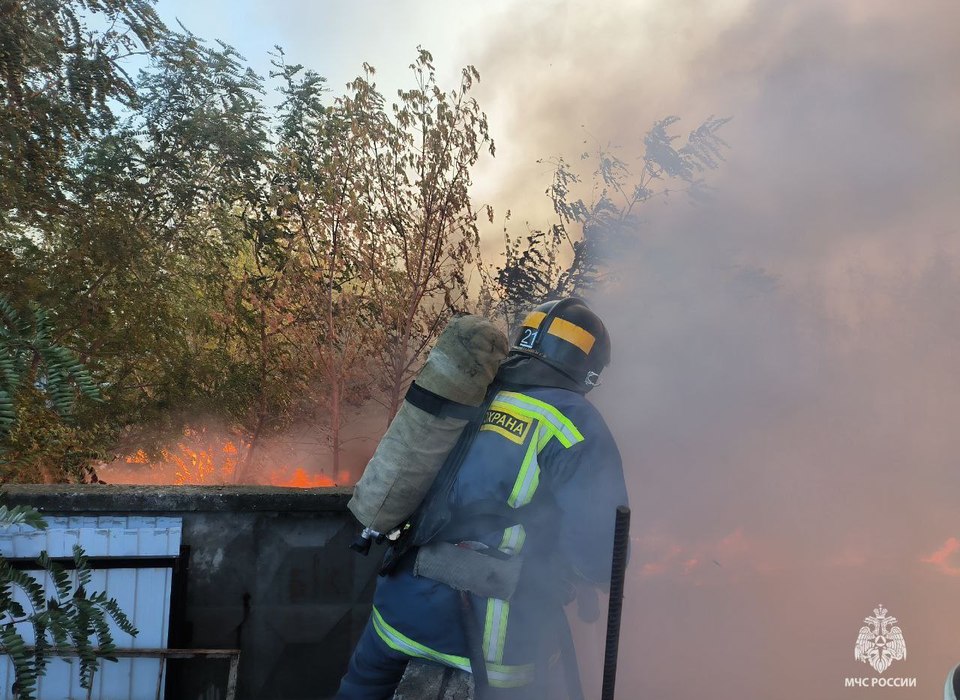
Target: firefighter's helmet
[569, 337]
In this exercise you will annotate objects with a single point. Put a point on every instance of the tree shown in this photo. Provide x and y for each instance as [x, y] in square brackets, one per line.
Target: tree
[418, 174]
[364, 240]
[203, 255]
[572, 255]
[266, 309]
[164, 191]
[318, 288]
[136, 271]
[60, 76]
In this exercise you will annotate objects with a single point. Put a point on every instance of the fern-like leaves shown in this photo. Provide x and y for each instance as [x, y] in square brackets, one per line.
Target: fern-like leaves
[70, 616]
[29, 356]
[22, 515]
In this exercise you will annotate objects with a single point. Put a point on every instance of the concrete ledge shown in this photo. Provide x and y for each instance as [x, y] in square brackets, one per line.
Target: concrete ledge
[100, 498]
[426, 681]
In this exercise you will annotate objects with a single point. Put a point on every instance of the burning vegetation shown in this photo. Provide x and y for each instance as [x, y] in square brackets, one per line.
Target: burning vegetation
[201, 457]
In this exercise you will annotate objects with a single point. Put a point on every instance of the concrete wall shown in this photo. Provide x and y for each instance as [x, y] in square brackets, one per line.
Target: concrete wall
[268, 571]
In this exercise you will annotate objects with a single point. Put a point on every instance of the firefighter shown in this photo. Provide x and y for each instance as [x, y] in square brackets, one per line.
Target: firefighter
[527, 523]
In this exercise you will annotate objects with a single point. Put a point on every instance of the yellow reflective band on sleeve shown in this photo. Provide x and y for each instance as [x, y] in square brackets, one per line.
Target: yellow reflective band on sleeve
[495, 629]
[488, 625]
[561, 426]
[499, 675]
[528, 478]
[573, 334]
[513, 539]
[543, 437]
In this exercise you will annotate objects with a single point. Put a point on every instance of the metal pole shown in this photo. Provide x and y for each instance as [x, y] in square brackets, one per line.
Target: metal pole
[621, 541]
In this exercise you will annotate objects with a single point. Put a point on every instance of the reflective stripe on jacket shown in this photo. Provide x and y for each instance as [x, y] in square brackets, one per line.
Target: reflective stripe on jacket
[541, 443]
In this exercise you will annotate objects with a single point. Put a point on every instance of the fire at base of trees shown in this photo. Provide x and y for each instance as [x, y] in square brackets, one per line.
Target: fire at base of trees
[182, 248]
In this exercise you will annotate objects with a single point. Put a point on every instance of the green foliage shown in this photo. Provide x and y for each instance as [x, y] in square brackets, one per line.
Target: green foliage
[21, 515]
[70, 617]
[421, 156]
[60, 74]
[139, 258]
[178, 246]
[33, 365]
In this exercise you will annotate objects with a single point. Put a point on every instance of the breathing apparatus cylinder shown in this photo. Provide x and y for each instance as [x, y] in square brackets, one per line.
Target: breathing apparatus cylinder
[453, 381]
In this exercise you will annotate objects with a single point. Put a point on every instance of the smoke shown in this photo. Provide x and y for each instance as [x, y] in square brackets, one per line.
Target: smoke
[785, 386]
[785, 383]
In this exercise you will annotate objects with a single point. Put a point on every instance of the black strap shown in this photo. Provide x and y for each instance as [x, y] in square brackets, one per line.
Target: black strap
[436, 405]
[471, 629]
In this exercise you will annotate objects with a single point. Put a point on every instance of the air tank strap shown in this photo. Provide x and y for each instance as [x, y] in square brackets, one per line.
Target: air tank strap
[436, 405]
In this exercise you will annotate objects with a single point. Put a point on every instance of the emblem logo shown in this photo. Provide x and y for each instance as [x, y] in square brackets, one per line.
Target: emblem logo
[880, 641]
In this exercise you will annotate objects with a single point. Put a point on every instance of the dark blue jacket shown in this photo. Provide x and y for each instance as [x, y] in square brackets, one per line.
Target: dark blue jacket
[541, 445]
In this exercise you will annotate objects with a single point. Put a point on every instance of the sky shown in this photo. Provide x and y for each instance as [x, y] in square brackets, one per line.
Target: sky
[785, 385]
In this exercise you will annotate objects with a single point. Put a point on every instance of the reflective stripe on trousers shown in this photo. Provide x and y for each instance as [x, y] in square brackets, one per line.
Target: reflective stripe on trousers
[500, 675]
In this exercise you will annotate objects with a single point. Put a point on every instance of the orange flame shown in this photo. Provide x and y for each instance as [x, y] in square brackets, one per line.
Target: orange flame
[302, 480]
[197, 460]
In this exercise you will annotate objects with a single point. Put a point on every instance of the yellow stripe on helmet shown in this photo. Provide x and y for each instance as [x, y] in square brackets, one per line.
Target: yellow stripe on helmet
[534, 319]
[572, 333]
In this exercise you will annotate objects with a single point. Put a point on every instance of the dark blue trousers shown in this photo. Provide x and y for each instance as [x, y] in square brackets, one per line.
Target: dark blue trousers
[374, 671]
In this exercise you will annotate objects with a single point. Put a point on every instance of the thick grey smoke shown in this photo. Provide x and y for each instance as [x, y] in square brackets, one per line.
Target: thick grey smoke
[786, 384]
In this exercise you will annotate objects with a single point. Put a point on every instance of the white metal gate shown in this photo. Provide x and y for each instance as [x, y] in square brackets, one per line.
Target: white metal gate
[134, 554]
